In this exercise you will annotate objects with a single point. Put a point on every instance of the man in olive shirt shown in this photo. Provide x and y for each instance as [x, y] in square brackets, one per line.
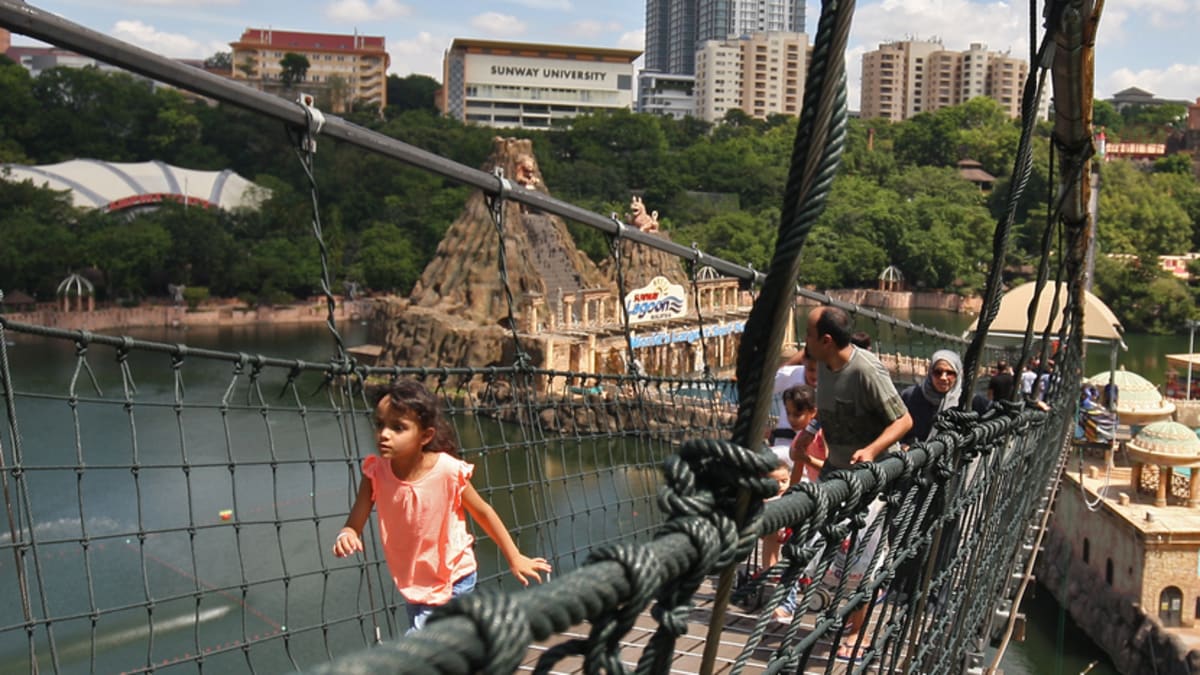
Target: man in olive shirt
[860, 410]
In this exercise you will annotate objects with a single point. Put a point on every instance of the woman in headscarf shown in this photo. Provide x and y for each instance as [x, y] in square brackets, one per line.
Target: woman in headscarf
[939, 391]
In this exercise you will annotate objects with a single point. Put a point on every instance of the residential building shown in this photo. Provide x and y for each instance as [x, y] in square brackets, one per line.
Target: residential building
[675, 29]
[666, 94]
[39, 59]
[532, 86]
[343, 69]
[761, 73]
[905, 78]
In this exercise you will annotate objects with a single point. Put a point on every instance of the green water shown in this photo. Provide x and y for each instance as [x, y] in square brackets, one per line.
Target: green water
[1053, 646]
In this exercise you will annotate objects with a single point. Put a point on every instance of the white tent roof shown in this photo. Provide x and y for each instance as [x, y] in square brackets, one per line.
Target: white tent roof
[1099, 322]
[114, 185]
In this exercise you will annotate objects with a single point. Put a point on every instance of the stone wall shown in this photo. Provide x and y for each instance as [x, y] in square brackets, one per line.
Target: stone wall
[111, 318]
[1134, 639]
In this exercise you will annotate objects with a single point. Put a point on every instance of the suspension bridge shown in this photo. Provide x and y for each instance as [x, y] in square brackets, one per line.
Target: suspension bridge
[646, 497]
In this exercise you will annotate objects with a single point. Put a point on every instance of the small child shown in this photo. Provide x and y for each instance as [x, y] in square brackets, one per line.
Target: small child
[421, 489]
[773, 541]
[808, 448]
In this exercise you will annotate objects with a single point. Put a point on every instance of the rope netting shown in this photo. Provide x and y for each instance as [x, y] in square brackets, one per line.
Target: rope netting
[170, 505]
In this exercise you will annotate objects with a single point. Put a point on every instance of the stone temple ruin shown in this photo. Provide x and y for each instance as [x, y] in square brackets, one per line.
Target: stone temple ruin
[567, 308]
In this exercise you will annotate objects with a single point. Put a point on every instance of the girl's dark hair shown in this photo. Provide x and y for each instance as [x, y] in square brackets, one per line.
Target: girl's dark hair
[802, 396]
[409, 397]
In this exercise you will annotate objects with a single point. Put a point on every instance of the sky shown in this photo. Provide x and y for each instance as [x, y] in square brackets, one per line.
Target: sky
[1149, 44]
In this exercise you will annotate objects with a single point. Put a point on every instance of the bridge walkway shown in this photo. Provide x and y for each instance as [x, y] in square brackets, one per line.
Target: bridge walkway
[689, 649]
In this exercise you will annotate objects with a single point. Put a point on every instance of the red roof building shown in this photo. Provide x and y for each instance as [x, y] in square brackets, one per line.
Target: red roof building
[343, 69]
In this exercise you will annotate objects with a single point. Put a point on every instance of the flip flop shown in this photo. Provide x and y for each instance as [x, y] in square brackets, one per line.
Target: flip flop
[845, 652]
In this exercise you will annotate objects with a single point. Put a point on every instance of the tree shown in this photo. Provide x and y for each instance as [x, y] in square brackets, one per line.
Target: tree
[1106, 117]
[339, 94]
[295, 67]
[412, 92]
[1180, 163]
[19, 110]
[1134, 216]
[222, 61]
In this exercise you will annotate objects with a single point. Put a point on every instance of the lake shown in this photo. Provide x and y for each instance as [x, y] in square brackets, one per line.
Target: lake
[1053, 646]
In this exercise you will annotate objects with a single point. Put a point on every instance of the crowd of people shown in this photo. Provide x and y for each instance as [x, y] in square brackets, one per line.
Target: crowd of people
[837, 407]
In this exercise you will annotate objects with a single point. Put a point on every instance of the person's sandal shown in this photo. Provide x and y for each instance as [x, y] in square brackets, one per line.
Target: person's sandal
[845, 652]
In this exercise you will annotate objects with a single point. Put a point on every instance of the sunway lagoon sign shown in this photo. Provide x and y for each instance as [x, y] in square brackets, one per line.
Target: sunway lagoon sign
[657, 301]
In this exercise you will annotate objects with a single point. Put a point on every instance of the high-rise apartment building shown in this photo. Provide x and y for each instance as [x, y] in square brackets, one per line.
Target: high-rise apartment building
[902, 79]
[675, 29]
[761, 73]
[342, 68]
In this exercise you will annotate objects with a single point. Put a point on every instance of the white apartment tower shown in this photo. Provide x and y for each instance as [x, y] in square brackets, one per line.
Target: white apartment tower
[902, 79]
[760, 73]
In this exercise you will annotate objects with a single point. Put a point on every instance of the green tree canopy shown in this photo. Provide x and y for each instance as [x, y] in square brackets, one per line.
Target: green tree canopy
[295, 68]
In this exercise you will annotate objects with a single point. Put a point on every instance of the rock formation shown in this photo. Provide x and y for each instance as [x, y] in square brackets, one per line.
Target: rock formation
[458, 314]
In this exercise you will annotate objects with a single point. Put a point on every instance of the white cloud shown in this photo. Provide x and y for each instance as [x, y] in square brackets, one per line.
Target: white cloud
[421, 55]
[1161, 14]
[350, 11]
[854, 76]
[590, 28]
[956, 23]
[1178, 81]
[563, 5]
[183, 3]
[634, 39]
[171, 45]
[498, 25]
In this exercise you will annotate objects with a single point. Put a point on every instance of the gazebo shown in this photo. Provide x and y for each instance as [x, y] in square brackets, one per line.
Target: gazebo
[18, 301]
[972, 170]
[1166, 445]
[891, 279]
[1138, 400]
[77, 285]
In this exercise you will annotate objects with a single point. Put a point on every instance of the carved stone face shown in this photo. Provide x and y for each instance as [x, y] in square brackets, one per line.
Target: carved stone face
[526, 171]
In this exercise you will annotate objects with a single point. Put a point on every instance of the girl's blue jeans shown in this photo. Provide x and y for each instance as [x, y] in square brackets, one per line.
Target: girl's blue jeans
[417, 614]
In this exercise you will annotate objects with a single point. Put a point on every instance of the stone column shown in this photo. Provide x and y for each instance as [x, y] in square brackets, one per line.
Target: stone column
[568, 305]
[1164, 486]
[1135, 477]
[1194, 488]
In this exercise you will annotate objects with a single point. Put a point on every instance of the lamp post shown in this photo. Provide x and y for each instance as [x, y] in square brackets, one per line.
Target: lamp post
[1192, 324]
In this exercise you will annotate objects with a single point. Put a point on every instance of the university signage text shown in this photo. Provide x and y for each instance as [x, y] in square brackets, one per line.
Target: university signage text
[549, 73]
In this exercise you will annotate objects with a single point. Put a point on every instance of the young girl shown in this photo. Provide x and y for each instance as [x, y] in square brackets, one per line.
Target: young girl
[421, 487]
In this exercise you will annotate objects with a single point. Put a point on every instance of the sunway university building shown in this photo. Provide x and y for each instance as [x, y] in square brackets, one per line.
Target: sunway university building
[532, 86]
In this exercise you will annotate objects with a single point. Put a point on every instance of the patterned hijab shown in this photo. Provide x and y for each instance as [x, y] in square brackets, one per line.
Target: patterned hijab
[937, 398]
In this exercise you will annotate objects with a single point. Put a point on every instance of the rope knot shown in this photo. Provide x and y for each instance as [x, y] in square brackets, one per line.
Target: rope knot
[500, 623]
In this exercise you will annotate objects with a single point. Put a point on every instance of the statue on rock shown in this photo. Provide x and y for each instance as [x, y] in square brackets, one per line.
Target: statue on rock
[646, 222]
[640, 264]
[460, 300]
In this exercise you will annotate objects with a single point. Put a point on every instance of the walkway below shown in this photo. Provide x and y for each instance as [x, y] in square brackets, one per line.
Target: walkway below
[689, 649]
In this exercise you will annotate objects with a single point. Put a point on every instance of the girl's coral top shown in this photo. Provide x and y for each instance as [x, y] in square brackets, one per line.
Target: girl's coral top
[423, 527]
